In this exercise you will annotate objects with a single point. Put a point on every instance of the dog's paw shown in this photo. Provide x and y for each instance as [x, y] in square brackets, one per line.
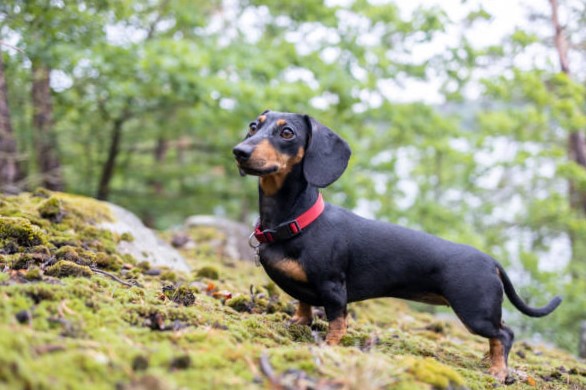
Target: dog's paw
[499, 373]
[298, 320]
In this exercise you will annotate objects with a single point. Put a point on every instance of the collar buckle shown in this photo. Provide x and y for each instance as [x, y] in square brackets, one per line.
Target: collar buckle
[287, 229]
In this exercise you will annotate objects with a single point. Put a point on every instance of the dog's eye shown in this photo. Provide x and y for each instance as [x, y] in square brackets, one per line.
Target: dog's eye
[287, 133]
[252, 127]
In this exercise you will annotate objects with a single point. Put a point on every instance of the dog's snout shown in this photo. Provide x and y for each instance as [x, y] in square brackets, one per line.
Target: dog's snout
[242, 152]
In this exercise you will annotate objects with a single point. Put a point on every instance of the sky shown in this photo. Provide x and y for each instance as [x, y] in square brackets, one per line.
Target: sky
[507, 15]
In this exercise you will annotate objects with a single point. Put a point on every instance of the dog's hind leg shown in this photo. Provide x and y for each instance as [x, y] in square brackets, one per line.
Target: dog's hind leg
[500, 340]
[499, 353]
[336, 329]
[481, 313]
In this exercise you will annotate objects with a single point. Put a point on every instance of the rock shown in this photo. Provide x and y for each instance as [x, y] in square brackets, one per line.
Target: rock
[146, 245]
[235, 246]
[180, 239]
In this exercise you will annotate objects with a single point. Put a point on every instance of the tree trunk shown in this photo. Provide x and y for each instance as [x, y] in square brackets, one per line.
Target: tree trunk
[576, 141]
[113, 152]
[582, 347]
[9, 171]
[160, 153]
[576, 153]
[45, 141]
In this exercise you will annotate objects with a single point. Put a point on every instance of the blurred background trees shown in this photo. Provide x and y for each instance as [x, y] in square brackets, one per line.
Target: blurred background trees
[140, 103]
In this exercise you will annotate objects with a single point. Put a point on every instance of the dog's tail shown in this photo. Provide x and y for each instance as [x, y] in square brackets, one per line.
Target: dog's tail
[518, 302]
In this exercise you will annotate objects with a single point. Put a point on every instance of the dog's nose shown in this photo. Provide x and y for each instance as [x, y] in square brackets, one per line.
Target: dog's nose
[242, 152]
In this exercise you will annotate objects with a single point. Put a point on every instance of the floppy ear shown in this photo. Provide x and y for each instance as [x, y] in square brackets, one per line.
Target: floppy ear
[326, 155]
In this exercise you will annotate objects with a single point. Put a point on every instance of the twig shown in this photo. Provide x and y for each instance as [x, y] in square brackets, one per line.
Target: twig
[267, 370]
[62, 309]
[114, 277]
[11, 46]
[252, 366]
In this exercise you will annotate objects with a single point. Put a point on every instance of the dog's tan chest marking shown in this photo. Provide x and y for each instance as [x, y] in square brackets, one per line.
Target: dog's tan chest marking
[290, 268]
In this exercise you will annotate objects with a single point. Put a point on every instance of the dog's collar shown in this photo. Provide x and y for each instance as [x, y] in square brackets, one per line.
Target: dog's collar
[290, 229]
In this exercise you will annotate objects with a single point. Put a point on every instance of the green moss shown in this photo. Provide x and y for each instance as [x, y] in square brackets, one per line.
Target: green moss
[140, 363]
[168, 276]
[128, 258]
[37, 255]
[68, 253]
[76, 255]
[21, 232]
[64, 268]
[429, 371]
[272, 289]
[108, 262]
[275, 305]
[293, 358]
[183, 295]
[41, 192]
[208, 272]
[144, 265]
[97, 239]
[300, 333]
[33, 274]
[51, 209]
[133, 274]
[356, 339]
[39, 292]
[88, 210]
[126, 237]
[25, 260]
[41, 250]
[240, 303]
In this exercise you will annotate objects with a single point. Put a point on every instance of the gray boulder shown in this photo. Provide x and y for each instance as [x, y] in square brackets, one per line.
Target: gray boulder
[235, 245]
[146, 246]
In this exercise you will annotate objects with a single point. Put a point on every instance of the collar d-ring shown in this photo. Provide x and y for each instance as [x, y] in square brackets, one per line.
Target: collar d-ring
[251, 243]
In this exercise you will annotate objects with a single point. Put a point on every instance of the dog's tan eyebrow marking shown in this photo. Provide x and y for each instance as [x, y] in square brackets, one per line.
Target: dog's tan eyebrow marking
[281, 122]
[262, 118]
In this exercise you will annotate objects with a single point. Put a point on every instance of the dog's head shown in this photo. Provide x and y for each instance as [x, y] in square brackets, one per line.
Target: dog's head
[277, 141]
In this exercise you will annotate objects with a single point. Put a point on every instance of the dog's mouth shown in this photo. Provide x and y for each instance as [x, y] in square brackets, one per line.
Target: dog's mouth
[256, 170]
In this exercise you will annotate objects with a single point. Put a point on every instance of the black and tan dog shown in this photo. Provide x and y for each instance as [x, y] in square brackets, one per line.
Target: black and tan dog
[324, 255]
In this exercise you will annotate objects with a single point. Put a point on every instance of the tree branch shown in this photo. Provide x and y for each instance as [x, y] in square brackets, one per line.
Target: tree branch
[561, 42]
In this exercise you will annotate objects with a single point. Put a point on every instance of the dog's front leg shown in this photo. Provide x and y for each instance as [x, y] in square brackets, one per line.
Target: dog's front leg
[334, 299]
[303, 315]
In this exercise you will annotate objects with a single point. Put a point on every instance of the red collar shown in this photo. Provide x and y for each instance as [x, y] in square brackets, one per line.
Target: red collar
[292, 228]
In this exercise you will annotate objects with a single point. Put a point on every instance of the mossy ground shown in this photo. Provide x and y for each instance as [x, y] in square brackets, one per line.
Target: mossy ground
[224, 327]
